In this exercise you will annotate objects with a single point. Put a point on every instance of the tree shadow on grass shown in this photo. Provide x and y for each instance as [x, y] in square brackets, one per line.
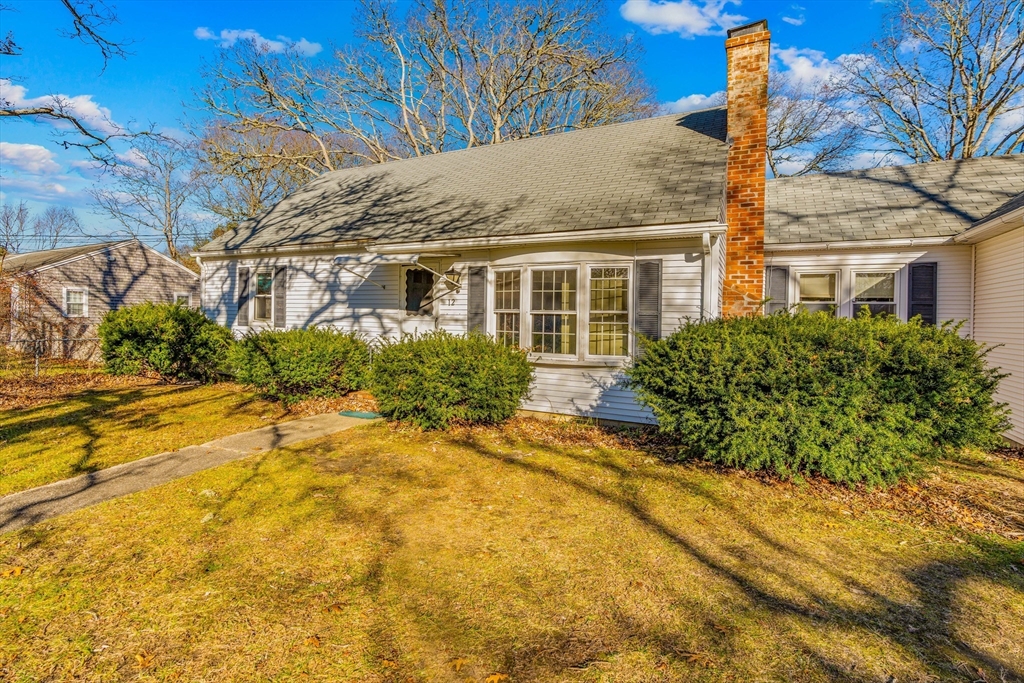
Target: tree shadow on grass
[924, 629]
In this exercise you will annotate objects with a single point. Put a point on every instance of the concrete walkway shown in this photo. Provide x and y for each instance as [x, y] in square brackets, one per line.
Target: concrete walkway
[29, 507]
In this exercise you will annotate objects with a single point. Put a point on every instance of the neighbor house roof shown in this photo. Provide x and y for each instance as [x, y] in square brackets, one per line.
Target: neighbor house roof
[938, 199]
[34, 260]
[657, 171]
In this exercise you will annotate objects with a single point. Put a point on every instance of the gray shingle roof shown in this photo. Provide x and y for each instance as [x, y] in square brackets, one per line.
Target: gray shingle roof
[34, 260]
[937, 199]
[667, 169]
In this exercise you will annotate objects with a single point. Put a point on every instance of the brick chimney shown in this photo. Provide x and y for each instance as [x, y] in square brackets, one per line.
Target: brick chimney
[746, 55]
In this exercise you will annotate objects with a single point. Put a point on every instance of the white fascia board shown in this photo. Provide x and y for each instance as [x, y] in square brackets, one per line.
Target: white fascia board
[988, 229]
[319, 248]
[902, 243]
[633, 234]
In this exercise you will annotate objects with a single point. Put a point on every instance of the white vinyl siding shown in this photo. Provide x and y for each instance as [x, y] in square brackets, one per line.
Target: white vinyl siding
[954, 275]
[321, 293]
[999, 316]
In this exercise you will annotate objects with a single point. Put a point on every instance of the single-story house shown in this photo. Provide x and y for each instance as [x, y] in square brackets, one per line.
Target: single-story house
[567, 244]
[58, 297]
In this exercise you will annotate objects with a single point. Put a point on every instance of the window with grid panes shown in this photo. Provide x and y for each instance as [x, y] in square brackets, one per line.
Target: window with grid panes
[507, 288]
[553, 310]
[609, 311]
[877, 291]
[818, 292]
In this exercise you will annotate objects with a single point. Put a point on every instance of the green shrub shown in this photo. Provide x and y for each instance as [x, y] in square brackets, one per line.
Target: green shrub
[863, 400]
[439, 378]
[175, 342]
[295, 364]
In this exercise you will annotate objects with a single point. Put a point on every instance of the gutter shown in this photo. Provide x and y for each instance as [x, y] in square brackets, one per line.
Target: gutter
[861, 244]
[991, 228]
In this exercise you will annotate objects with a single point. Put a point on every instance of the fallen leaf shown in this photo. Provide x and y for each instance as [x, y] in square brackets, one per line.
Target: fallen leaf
[496, 678]
[700, 658]
[144, 659]
[333, 609]
[457, 663]
[313, 641]
[12, 571]
[388, 664]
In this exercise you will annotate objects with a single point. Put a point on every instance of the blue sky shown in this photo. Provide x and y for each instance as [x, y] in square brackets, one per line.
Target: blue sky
[683, 43]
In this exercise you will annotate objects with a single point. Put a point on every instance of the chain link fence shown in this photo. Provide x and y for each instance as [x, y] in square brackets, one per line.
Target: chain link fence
[53, 351]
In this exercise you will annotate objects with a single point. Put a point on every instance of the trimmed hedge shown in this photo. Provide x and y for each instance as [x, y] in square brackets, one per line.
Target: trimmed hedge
[862, 400]
[296, 364]
[173, 341]
[437, 379]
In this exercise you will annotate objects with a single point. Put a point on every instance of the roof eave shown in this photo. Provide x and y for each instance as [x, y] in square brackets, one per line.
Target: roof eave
[993, 227]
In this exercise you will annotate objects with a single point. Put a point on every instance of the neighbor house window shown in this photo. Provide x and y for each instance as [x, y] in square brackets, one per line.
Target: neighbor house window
[877, 291]
[818, 291]
[76, 303]
[609, 311]
[183, 298]
[553, 310]
[264, 295]
[507, 288]
[419, 286]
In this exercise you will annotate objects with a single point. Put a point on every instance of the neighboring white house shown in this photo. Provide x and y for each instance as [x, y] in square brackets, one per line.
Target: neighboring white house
[567, 244]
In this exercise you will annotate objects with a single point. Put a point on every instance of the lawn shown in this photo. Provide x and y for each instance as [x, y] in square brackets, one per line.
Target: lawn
[533, 553]
[94, 429]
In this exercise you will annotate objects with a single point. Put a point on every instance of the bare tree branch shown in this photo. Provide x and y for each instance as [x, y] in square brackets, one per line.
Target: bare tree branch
[55, 225]
[946, 81]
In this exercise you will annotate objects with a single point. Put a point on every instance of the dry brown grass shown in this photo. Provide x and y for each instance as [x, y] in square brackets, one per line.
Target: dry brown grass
[538, 552]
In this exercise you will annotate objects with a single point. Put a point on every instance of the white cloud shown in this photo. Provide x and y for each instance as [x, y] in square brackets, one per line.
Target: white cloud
[33, 159]
[807, 66]
[685, 17]
[83, 107]
[230, 36]
[696, 101]
[34, 188]
[795, 21]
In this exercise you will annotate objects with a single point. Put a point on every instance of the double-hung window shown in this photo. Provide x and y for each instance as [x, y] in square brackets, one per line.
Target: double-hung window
[76, 303]
[819, 291]
[877, 291]
[609, 311]
[263, 300]
[507, 293]
[553, 310]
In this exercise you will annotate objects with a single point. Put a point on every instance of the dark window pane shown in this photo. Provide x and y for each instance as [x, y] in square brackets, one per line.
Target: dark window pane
[419, 285]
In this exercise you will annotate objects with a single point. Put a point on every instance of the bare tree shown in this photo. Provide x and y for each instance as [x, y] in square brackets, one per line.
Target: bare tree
[89, 21]
[15, 220]
[55, 225]
[447, 74]
[153, 192]
[946, 80]
[241, 174]
[810, 127]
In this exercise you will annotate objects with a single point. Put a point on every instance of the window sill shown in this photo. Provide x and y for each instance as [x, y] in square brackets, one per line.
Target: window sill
[555, 361]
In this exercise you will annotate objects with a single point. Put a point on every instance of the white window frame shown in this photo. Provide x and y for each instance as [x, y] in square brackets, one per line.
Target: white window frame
[630, 320]
[837, 301]
[897, 297]
[494, 310]
[528, 307]
[253, 320]
[186, 295]
[85, 302]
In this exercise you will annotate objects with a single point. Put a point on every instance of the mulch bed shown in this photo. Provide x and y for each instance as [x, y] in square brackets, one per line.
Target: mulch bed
[358, 401]
[27, 391]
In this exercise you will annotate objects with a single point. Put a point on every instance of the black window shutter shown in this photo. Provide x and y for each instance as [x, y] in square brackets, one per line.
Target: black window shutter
[777, 288]
[924, 292]
[476, 317]
[648, 298]
[243, 296]
[280, 296]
